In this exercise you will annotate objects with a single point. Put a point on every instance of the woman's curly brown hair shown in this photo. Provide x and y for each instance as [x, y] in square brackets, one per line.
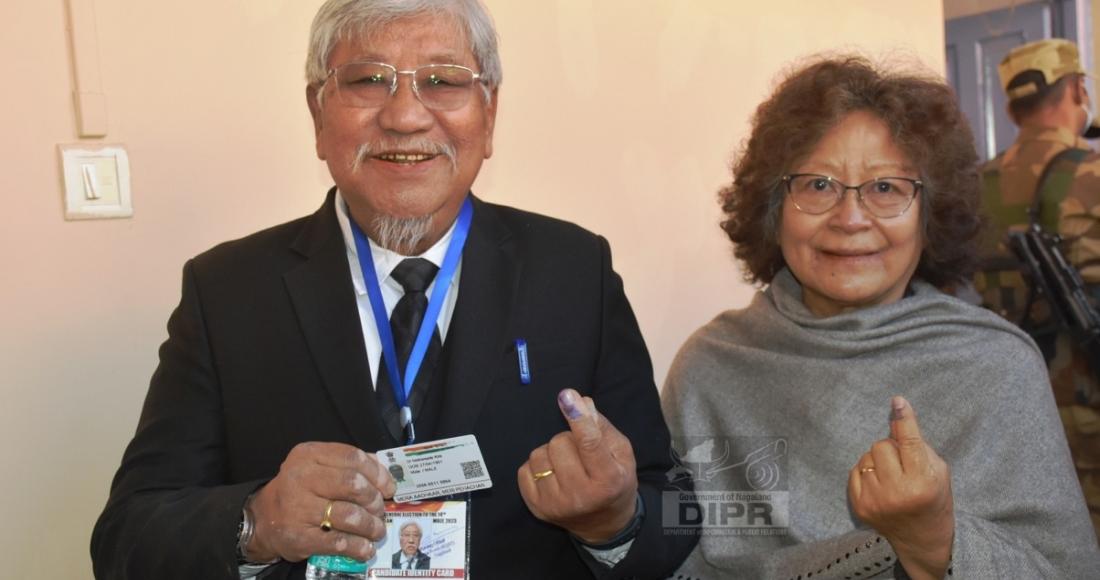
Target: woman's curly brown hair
[926, 124]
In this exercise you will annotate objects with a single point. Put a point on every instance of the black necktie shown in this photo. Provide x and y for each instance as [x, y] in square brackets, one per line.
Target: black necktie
[414, 275]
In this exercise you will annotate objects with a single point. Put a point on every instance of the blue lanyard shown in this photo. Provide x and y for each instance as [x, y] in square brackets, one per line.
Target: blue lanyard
[402, 388]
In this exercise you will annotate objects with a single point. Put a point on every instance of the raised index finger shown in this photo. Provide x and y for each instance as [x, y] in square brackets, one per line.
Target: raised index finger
[906, 432]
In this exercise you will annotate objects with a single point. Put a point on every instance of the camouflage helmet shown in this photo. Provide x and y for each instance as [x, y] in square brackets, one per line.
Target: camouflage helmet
[1052, 58]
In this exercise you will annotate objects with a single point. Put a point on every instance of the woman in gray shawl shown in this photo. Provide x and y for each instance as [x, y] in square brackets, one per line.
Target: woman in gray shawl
[797, 416]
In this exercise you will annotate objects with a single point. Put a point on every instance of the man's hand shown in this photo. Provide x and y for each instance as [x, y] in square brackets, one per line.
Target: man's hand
[584, 479]
[902, 489]
[289, 509]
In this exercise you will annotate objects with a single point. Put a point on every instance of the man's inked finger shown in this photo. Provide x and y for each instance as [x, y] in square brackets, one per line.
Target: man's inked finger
[599, 445]
[583, 421]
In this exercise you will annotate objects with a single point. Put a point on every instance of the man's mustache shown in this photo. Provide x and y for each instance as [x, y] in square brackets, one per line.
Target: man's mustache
[412, 145]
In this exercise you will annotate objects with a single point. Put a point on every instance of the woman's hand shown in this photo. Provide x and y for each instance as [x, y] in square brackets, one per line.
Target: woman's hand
[902, 489]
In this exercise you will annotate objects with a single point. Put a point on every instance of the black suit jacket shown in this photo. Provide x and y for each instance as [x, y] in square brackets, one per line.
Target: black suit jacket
[421, 561]
[265, 351]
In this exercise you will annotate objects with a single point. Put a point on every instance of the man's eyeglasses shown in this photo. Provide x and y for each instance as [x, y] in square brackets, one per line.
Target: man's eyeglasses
[367, 85]
[883, 197]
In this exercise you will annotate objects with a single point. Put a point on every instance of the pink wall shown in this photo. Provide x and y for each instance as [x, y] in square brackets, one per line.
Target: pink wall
[618, 114]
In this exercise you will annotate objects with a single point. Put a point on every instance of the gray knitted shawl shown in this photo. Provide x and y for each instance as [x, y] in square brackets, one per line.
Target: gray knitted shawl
[798, 399]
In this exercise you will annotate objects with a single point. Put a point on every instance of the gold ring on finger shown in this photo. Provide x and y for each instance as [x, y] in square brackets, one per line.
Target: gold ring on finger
[541, 474]
[866, 469]
[326, 523]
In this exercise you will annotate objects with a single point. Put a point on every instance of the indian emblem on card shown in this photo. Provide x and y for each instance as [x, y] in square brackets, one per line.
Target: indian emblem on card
[740, 486]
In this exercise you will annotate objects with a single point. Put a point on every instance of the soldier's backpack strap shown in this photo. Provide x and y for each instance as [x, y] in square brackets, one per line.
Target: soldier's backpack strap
[1060, 173]
[1000, 281]
[1053, 186]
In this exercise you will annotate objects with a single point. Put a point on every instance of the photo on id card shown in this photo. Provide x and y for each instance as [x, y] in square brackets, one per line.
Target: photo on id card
[424, 539]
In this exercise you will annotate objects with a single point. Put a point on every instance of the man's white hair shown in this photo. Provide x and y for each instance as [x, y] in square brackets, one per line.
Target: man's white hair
[338, 20]
[401, 530]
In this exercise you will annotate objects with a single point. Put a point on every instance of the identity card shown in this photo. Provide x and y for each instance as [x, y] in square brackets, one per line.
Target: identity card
[436, 468]
[426, 539]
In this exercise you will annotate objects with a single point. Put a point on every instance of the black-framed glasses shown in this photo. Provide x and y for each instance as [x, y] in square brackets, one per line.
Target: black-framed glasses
[367, 85]
[883, 197]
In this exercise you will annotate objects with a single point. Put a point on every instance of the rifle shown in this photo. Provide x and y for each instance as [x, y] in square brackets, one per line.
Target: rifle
[1055, 279]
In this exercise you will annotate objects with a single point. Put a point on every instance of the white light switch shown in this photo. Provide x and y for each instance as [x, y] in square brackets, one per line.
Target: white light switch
[97, 182]
[91, 188]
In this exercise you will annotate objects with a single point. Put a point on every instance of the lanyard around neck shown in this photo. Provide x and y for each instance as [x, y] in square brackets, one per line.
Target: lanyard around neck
[403, 382]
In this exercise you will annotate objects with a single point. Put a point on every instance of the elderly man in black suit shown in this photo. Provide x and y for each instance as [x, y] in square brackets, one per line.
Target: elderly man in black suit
[281, 374]
[409, 557]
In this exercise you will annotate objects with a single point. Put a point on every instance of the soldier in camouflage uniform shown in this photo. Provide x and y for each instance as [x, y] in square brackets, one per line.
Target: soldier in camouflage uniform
[1049, 102]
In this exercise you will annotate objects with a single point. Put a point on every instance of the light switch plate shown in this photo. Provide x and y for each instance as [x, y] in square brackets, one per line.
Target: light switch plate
[97, 181]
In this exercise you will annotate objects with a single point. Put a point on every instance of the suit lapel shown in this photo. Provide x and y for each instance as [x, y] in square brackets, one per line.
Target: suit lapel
[324, 300]
[478, 333]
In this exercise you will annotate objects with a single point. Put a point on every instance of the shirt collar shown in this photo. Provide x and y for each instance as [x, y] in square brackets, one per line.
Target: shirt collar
[385, 260]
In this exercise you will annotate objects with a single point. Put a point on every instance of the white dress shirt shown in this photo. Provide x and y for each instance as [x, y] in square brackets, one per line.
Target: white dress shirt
[384, 263]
